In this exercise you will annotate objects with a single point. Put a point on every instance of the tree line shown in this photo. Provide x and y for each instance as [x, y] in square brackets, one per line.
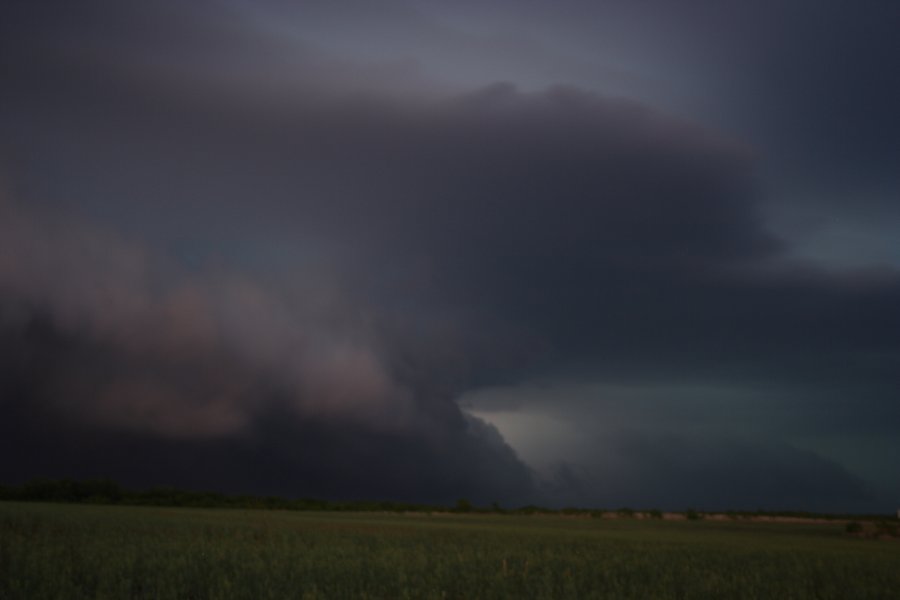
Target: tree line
[106, 491]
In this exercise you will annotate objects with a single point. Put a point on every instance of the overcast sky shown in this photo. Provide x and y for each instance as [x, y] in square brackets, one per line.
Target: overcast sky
[587, 253]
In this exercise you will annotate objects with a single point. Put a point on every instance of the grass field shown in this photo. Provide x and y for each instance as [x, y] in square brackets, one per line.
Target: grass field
[74, 551]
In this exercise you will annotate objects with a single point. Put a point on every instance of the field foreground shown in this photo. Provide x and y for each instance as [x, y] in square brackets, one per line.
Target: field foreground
[71, 552]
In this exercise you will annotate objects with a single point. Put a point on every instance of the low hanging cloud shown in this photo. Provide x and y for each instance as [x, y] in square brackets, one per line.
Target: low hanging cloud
[670, 445]
[117, 362]
[706, 472]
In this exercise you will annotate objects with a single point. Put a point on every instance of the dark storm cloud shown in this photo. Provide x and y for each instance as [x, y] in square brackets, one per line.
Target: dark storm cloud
[276, 454]
[709, 473]
[678, 444]
[227, 245]
[117, 366]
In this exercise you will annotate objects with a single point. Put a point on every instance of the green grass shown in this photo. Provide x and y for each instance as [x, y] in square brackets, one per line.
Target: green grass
[73, 551]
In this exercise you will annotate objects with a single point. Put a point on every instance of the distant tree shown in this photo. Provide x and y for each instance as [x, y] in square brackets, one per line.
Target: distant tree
[463, 505]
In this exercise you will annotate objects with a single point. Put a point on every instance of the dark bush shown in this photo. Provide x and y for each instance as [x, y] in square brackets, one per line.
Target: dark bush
[854, 527]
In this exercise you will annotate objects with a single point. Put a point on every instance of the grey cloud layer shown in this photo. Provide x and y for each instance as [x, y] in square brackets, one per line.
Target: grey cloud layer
[253, 266]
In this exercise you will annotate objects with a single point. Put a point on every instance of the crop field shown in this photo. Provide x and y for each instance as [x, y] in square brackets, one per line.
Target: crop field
[79, 551]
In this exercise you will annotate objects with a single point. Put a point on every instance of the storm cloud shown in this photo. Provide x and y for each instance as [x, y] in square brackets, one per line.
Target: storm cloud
[239, 253]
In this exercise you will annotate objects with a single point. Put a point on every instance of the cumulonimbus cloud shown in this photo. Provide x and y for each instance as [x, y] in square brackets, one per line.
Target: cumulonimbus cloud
[298, 280]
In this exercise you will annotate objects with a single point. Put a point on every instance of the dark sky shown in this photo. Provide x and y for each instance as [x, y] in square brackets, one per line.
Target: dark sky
[605, 253]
